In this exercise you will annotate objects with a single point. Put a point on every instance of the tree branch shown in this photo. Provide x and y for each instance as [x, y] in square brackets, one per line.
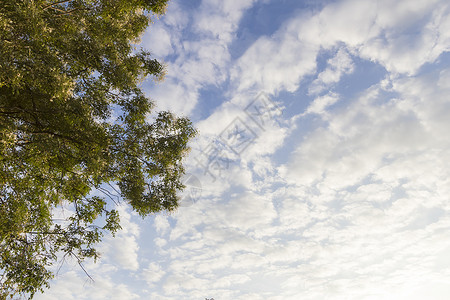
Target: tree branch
[55, 3]
[82, 267]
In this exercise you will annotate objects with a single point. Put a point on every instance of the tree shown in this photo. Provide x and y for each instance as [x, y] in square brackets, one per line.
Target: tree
[73, 121]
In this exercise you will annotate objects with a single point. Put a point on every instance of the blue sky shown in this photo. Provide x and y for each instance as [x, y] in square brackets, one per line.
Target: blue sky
[322, 166]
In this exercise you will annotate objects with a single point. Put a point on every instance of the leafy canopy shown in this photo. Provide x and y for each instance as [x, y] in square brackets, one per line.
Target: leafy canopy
[73, 120]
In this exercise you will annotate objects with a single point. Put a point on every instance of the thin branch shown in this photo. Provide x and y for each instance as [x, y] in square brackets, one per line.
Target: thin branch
[109, 195]
[61, 264]
[69, 12]
[116, 190]
[55, 3]
[51, 133]
[60, 10]
[45, 232]
[10, 112]
[82, 267]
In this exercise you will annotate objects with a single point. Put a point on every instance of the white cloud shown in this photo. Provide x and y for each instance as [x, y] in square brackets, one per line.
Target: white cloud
[220, 19]
[340, 64]
[319, 104]
[401, 44]
[199, 62]
[173, 96]
[122, 249]
[394, 154]
[247, 211]
[158, 41]
[274, 64]
[161, 224]
[153, 273]
[75, 285]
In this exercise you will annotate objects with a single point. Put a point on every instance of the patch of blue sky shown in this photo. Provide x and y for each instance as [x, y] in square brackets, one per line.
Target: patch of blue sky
[366, 74]
[265, 18]
[441, 63]
[211, 97]
[189, 5]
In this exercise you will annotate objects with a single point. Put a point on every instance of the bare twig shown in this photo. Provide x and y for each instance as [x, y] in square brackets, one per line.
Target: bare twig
[82, 267]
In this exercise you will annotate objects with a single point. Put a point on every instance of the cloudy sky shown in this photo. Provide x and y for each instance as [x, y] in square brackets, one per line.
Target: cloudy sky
[322, 167]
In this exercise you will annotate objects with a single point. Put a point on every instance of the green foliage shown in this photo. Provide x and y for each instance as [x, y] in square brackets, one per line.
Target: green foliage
[72, 120]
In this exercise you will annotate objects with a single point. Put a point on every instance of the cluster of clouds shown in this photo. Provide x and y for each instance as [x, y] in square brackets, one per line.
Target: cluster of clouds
[353, 206]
